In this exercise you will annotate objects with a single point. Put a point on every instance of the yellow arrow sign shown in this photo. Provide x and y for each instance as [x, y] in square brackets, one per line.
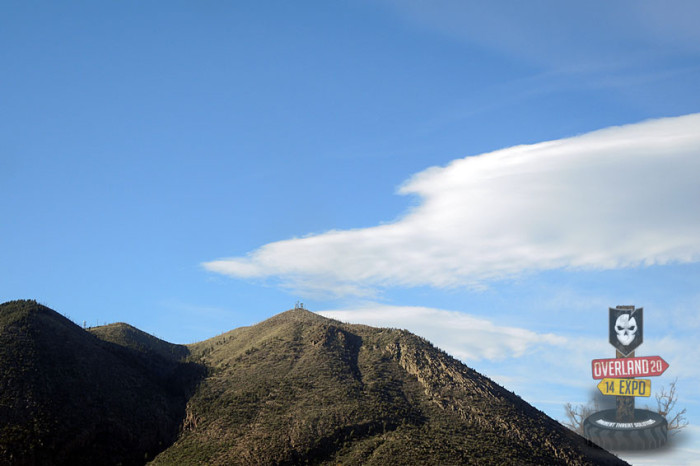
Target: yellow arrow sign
[625, 387]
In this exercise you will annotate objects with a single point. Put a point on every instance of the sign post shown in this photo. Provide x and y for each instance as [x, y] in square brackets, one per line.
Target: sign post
[644, 366]
[626, 427]
[626, 334]
[625, 387]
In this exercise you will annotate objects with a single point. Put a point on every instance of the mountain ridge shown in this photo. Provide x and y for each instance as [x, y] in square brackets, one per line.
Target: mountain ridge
[131, 337]
[299, 388]
[67, 397]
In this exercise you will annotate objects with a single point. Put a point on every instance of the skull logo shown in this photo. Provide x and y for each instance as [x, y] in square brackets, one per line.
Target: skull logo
[625, 328]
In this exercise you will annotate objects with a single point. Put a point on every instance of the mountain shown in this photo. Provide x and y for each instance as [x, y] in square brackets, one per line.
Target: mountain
[296, 388]
[69, 397]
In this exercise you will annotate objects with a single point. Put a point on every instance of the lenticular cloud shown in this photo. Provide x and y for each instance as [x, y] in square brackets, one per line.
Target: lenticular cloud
[468, 337]
[619, 197]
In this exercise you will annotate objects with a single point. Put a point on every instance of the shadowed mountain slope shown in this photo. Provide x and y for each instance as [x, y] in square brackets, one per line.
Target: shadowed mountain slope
[67, 397]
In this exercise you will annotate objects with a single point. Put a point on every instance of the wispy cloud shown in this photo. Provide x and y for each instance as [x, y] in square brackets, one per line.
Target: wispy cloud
[615, 34]
[466, 337]
[619, 197]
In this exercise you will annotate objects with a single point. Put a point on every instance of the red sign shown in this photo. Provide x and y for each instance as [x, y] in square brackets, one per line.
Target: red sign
[617, 368]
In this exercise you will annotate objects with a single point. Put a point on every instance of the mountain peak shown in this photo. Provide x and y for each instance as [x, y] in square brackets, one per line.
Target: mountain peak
[128, 336]
[300, 315]
[354, 394]
[24, 308]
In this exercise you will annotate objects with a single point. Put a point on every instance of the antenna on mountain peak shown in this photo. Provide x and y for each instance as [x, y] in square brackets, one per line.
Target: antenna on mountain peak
[299, 305]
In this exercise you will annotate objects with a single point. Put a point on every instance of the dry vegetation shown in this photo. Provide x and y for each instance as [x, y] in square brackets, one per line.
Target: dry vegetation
[300, 388]
[297, 388]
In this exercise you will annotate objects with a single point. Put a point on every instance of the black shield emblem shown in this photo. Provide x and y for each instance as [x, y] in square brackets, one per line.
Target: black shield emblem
[626, 328]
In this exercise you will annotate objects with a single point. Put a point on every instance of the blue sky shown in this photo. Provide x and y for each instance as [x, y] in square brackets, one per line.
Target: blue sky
[491, 176]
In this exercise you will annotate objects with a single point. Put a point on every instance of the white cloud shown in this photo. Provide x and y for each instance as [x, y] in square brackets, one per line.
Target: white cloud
[615, 198]
[464, 336]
